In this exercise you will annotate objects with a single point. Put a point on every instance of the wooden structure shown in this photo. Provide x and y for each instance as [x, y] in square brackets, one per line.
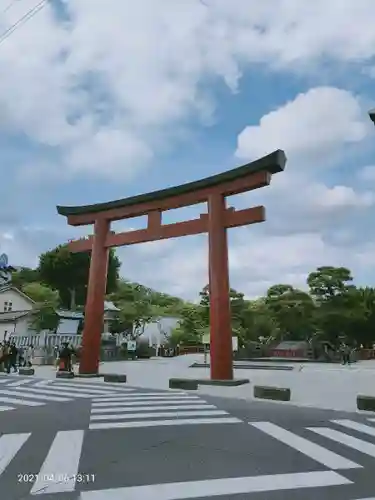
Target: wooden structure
[215, 222]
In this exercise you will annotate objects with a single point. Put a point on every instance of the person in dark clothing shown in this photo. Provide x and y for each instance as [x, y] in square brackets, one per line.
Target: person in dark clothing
[6, 348]
[346, 354]
[66, 356]
[12, 358]
[21, 356]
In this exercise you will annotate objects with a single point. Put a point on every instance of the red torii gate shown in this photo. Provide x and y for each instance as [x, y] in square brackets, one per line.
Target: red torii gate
[212, 190]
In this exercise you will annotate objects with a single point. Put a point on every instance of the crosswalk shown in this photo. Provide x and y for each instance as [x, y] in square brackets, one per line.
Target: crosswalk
[334, 433]
[30, 392]
[65, 454]
[154, 409]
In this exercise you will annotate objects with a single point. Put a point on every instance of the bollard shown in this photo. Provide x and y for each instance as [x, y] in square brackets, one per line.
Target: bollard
[274, 393]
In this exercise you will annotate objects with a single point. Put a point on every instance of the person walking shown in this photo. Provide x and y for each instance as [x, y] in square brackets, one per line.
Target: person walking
[1, 357]
[21, 356]
[29, 354]
[56, 354]
[12, 358]
[345, 354]
[65, 357]
[6, 357]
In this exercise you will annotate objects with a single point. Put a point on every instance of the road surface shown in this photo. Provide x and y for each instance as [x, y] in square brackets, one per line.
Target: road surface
[77, 440]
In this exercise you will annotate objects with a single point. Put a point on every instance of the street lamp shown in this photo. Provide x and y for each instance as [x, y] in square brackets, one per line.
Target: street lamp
[371, 114]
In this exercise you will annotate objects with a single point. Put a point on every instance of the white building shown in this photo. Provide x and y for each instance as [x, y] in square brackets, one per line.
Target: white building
[15, 309]
[15, 312]
[158, 332]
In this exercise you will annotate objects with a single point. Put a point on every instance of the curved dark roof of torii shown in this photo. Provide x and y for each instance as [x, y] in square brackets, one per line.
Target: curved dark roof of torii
[272, 163]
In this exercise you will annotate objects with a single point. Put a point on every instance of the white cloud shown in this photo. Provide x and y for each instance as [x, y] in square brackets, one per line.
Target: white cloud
[256, 262]
[143, 67]
[344, 196]
[108, 147]
[106, 90]
[311, 126]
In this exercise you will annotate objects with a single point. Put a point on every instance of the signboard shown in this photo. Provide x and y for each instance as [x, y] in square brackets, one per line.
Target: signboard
[132, 345]
[3, 261]
[235, 343]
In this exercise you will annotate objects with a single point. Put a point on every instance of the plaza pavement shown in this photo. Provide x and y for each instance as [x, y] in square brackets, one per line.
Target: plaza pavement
[325, 386]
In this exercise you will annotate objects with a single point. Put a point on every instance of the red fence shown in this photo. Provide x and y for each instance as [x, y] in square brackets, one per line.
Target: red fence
[288, 353]
[364, 354]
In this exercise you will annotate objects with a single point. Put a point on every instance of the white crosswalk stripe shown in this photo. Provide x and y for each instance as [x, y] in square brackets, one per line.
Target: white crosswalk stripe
[22, 402]
[61, 466]
[220, 487]
[64, 392]
[312, 450]
[323, 454]
[35, 392]
[342, 438]
[19, 383]
[90, 386]
[26, 394]
[6, 408]
[356, 426]
[10, 444]
[155, 409]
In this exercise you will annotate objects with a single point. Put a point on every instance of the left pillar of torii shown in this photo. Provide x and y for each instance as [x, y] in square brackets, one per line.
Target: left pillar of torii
[94, 309]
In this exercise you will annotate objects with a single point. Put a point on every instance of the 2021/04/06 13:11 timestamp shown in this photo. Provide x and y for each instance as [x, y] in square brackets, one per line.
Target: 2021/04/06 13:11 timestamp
[56, 478]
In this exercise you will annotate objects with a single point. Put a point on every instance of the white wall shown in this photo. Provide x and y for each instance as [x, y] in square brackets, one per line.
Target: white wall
[21, 328]
[158, 331]
[68, 326]
[19, 303]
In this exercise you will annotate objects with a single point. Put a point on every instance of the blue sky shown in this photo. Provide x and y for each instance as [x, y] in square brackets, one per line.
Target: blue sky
[116, 99]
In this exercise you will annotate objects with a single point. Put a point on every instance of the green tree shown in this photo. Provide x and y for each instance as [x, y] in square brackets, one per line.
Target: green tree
[42, 294]
[68, 273]
[332, 292]
[240, 313]
[138, 306]
[44, 315]
[264, 324]
[328, 282]
[24, 276]
[293, 310]
[191, 326]
[360, 314]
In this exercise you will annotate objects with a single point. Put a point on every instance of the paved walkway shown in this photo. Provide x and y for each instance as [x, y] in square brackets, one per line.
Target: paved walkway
[317, 385]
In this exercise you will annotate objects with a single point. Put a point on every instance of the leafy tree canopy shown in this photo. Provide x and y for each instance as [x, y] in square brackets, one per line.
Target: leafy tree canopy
[68, 273]
[330, 308]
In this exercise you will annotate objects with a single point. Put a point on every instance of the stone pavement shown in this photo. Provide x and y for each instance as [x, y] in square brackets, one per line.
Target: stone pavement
[329, 386]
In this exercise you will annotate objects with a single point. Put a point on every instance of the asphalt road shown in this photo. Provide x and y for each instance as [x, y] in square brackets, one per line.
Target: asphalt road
[134, 444]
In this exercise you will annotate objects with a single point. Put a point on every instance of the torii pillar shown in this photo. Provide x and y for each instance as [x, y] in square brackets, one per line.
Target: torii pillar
[220, 314]
[94, 309]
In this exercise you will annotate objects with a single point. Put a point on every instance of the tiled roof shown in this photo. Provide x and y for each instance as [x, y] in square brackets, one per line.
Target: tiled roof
[11, 316]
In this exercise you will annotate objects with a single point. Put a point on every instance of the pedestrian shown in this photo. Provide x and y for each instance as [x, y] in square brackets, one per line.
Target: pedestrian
[12, 358]
[345, 350]
[29, 354]
[6, 359]
[1, 357]
[56, 353]
[73, 357]
[65, 357]
[21, 356]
